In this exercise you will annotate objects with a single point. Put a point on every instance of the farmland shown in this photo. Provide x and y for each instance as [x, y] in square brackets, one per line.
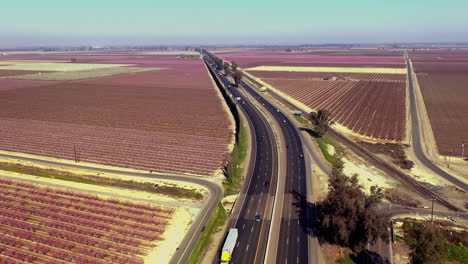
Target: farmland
[329, 69]
[148, 112]
[379, 77]
[363, 106]
[315, 58]
[366, 94]
[49, 225]
[442, 77]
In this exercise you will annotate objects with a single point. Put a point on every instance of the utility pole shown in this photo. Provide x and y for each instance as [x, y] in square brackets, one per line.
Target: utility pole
[432, 213]
[74, 153]
[463, 149]
[450, 154]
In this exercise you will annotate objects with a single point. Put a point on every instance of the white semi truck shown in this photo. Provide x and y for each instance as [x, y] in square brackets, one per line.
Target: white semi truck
[229, 245]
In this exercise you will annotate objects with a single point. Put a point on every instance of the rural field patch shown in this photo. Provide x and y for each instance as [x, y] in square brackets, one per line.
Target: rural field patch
[329, 69]
[443, 79]
[7, 73]
[50, 225]
[47, 66]
[187, 77]
[382, 77]
[446, 97]
[83, 74]
[372, 109]
[8, 84]
[170, 121]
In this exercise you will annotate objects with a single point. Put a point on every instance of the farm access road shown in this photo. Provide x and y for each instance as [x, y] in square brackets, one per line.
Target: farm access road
[417, 137]
[215, 191]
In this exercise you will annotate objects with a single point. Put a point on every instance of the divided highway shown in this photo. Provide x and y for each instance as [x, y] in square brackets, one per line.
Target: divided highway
[293, 245]
[260, 186]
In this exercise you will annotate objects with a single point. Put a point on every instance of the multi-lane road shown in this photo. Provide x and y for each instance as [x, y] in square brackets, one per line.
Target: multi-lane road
[257, 196]
[293, 228]
[293, 231]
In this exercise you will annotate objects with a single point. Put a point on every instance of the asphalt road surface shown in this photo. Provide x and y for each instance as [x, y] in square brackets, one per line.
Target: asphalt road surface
[260, 186]
[295, 227]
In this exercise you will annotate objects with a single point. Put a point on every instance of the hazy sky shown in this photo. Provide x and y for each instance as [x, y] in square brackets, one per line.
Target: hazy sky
[62, 22]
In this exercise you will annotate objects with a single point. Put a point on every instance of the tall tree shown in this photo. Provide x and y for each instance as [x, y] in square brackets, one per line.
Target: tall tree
[431, 246]
[238, 77]
[226, 68]
[347, 216]
[234, 66]
[321, 120]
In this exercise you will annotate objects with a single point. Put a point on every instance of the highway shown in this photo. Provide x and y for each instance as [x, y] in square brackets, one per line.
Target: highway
[260, 186]
[294, 226]
[416, 136]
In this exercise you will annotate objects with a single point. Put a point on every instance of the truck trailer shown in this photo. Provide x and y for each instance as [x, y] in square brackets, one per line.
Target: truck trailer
[229, 245]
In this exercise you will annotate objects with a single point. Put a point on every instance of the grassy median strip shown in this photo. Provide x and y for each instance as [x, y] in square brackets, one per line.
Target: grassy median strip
[170, 189]
[232, 184]
[322, 143]
[217, 220]
[301, 119]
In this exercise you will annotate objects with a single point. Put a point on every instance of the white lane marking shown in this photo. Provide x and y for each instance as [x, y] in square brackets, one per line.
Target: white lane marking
[248, 210]
[247, 247]
[297, 259]
[243, 226]
[238, 242]
[287, 241]
[297, 239]
[251, 229]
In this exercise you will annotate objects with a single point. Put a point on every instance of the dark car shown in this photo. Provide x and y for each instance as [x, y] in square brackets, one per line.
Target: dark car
[258, 217]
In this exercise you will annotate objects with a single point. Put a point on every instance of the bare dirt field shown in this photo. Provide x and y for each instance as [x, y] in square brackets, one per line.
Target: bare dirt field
[442, 76]
[81, 74]
[6, 73]
[445, 97]
[54, 66]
